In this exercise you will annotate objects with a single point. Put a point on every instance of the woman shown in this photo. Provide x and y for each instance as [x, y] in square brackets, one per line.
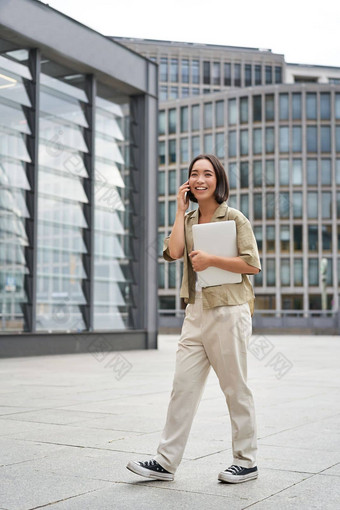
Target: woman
[216, 329]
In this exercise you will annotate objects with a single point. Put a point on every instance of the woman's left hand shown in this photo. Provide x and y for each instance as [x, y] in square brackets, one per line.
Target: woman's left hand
[200, 260]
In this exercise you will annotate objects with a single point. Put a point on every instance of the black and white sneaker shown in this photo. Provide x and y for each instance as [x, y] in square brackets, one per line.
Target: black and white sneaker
[237, 474]
[150, 469]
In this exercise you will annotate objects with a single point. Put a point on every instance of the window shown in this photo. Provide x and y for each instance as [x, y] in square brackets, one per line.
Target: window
[313, 272]
[284, 172]
[312, 172]
[284, 139]
[195, 146]
[163, 93]
[244, 204]
[337, 171]
[206, 73]
[195, 117]
[163, 69]
[184, 119]
[161, 153]
[270, 172]
[232, 144]
[311, 106]
[258, 237]
[270, 140]
[285, 272]
[244, 174]
[174, 70]
[337, 105]
[227, 74]
[270, 206]
[297, 139]
[161, 279]
[247, 75]
[269, 107]
[269, 75]
[172, 215]
[326, 205]
[312, 204]
[161, 122]
[244, 142]
[172, 276]
[220, 145]
[296, 106]
[270, 239]
[216, 73]
[298, 272]
[284, 107]
[297, 172]
[326, 172]
[257, 173]
[257, 141]
[325, 139]
[244, 110]
[219, 113]
[161, 214]
[284, 204]
[185, 71]
[313, 245]
[271, 272]
[184, 144]
[312, 139]
[172, 185]
[297, 204]
[172, 121]
[172, 151]
[185, 92]
[297, 233]
[337, 138]
[161, 183]
[237, 75]
[195, 71]
[208, 144]
[284, 238]
[257, 108]
[173, 93]
[278, 74]
[232, 112]
[232, 175]
[258, 75]
[257, 204]
[325, 106]
[208, 117]
[326, 231]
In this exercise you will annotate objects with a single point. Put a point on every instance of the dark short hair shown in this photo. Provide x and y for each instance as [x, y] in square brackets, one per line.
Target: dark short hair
[222, 186]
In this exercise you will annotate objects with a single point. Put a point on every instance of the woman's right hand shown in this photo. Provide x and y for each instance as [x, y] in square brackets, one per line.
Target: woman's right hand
[182, 198]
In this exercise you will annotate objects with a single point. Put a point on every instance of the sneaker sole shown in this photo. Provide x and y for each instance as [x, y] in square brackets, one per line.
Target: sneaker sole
[139, 470]
[237, 479]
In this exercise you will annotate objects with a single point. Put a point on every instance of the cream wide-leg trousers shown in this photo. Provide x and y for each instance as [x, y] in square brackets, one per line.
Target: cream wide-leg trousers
[216, 337]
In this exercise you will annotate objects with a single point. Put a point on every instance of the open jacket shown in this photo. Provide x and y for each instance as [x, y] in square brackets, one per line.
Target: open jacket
[226, 294]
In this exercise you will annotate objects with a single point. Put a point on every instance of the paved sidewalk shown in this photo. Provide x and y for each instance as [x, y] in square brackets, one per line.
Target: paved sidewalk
[70, 423]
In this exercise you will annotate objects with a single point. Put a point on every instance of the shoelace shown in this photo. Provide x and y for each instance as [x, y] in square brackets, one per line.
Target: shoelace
[150, 463]
[234, 469]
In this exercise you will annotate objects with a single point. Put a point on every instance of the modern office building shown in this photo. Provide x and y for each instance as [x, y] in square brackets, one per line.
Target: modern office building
[276, 128]
[78, 145]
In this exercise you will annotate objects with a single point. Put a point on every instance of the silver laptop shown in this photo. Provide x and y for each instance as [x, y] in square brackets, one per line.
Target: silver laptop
[216, 238]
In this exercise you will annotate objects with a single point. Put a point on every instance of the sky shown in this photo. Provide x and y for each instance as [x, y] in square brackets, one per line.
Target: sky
[305, 32]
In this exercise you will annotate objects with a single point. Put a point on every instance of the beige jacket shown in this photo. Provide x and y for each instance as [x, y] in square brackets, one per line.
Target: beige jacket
[226, 294]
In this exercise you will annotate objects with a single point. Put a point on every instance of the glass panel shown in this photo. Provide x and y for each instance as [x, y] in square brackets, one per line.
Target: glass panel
[313, 238]
[284, 238]
[269, 107]
[270, 172]
[161, 183]
[172, 151]
[278, 74]
[208, 144]
[244, 142]
[325, 139]
[297, 172]
[244, 174]
[195, 117]
[257, 108]
[326, 172]
[269, 75]
[232, 144]
[257, 206]
[271, 279]
[297, 139]
[208, 117]
[195, 71]
[325, 106]
[244, 204]
[62, 107]
[258, 236]
[220, 145]
[195, 146]
[237, 75]
[163, 69]
[185, 71]
[326, 231]
[14, 118]
[184, 150]
[313, 272]
[172, 212]
[247, 75]
[227, 74]
[270, 206]
[298, 272]
[206, 73]
[284, 204]
[296, 106]
[337, 138]
[270, 239]
[244, 110]
[257, 173]
[172, 185]
[312, 204]
[284, 139]
[285, 272]
[284, 106]
[219, 113]
[326, 205]
[172, 276]
[216, 73]
[184, 119]
[161, 122]
[297, 231]
[174, 70]
[337, 171]
[270, 140]
[232, 175]
[312, 172]
[297, 204]
[161, 151]
[232, 111]
[172, 121]
[257, 141]
[311, 106]
[337, 105]
[284, 172]
[312, 139]
[258, 75]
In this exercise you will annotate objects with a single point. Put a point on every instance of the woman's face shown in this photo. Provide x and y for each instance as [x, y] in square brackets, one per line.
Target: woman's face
[203, 180]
